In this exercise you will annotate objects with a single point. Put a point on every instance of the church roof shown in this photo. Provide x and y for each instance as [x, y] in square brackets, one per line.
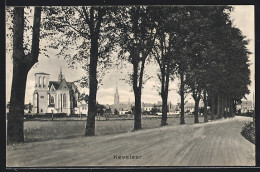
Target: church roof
[55, 84]
[63, 85]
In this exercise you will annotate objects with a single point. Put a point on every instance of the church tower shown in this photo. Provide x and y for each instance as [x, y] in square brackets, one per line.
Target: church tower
[40, 95]
[116, 98]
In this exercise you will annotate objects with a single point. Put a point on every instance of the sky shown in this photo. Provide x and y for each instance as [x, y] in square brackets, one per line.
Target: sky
[242, 16]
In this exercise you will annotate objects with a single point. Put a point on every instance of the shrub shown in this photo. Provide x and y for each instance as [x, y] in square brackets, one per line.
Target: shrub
[248, 132]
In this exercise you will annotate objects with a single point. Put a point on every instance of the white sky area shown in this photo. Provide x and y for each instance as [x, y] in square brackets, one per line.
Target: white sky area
[243, 16]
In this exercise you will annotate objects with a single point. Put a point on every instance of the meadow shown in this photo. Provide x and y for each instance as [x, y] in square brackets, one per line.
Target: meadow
[47, 130]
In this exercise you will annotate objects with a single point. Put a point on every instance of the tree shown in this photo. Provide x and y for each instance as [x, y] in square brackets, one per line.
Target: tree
[138, 36]
[22, 63]
[154, 110]
[108, 110]
[229, 67]
[116, 112]
[181, 54]
[91, 31]
[83, 97]
[197, 42]
[100, 109]
[164, 53]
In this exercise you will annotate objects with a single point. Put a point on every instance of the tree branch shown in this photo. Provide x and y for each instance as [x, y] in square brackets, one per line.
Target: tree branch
[18, 34]
[36, 33]
[86, 15]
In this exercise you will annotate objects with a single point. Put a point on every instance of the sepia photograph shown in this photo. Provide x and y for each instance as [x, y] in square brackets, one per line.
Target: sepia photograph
[130, 86]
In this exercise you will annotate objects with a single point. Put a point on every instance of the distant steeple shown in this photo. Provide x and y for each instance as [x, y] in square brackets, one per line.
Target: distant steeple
[116, 98]
[116, 89]
[60, 78]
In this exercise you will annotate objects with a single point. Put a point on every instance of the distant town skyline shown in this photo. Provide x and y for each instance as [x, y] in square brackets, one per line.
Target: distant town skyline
[243, 16]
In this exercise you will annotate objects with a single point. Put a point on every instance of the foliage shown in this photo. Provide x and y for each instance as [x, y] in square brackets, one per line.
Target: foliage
[248, 131]
[116, 112]
[72, 32]
[84, 97]
[155, 110]
[100, 108]
[138, 33]
[108, 110]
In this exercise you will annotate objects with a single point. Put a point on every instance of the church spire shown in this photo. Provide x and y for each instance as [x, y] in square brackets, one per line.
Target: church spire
[116, 89]
[116, 97]
[60, 78]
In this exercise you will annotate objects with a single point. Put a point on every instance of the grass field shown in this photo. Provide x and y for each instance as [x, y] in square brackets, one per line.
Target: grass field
[47, 130]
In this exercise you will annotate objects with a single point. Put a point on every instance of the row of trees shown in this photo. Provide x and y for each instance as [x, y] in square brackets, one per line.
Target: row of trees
[198, 45]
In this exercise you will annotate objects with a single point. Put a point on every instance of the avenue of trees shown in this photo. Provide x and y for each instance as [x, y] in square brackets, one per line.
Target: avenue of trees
[198, 45]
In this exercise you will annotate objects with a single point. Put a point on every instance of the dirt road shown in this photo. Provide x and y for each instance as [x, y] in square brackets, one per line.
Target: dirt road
[217, 143]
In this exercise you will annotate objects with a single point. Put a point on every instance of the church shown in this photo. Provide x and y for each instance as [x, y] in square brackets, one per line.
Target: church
[54, 96]
[122, 107]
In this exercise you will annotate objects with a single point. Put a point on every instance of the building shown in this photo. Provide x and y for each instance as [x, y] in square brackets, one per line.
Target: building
[122, 107]
[149, 106]
[82, 107]
[245, 106]
[54, 96]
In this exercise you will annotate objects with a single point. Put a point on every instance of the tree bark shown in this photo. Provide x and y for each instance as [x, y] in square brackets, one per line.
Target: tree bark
[219, 109]
[164, 95]
[15, 117]
[164, 110]
[213, 106]
[205, 112]
[231, 108]
[182, 121]
[196, 112]
[92, 108]
[223, 106]
[137, 92]
[234, 108]
[228, 107]
[138, 111]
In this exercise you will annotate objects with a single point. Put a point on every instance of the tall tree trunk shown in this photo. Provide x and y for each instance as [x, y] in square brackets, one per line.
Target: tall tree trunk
[21, 65]
[228, 107]
[92, 108]
[223, 106]
[224, 109]
[164, 95]
[234, 107]
[137, 92]
[196, 112]
[213, 106]
[16, 114]
[138, 110]
[231, 107]
[219, 111]
[216, 106]
[182, 121]
[205, 112]
[164, 110]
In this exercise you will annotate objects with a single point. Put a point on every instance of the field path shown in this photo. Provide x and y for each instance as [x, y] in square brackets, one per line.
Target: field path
[216, 143]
